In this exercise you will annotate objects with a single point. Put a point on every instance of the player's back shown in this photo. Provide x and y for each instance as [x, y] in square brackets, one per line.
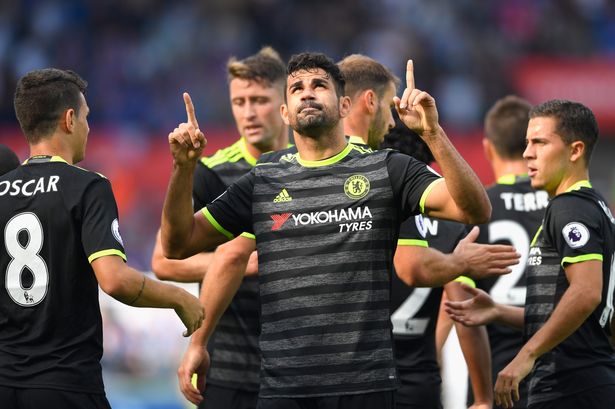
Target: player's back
[50, 323]
[517, 211]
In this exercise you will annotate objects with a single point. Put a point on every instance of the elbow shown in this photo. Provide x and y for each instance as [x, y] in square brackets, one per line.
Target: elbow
[410, 277]
[112, 287]
[480, 216]
[161, 270]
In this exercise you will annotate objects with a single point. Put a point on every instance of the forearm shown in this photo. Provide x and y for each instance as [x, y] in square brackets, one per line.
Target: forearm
[217, 291]
[462, 183]
[432, 269]
[572, 310]
[474, 343]
[510, 316]
[189, 270]
[177, 214]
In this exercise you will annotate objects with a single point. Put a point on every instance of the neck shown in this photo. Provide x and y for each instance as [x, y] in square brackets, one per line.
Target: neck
[508, 167]
[570, 179]
[357, 127]
[52, 146]
[324, 146]
[280, 142]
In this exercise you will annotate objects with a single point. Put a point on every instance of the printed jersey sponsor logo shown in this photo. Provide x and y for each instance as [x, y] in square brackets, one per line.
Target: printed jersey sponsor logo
[279, 220]
[356, 219]
[283, 196]
[356, 186]
[575, 234]
[535, 257]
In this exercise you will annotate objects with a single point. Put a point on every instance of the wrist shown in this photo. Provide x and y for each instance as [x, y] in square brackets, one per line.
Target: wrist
[432, 133]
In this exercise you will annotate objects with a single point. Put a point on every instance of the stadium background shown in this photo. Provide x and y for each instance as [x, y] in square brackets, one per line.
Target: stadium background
[139, 55]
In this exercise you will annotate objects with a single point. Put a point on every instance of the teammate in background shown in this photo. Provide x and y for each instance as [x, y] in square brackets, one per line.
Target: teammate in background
[517, 212]
[371, 88]
[8, 159]
[60, 241]
[256, 89]
[568, 312]
[323, 341]
[415, 310]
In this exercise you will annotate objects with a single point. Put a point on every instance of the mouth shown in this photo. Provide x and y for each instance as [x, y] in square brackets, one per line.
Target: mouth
[531, 171]
[252, 129]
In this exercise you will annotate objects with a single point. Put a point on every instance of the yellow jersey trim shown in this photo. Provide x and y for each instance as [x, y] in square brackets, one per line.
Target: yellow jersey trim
[426, 193]
[465, 280]
[412, 242]
[103, 253]
[325, 162]
[579, 259]
[579, 185]
[217, 225]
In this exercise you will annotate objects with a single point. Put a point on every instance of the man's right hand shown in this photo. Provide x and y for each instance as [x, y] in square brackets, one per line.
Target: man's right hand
[187, 141]
[478, 310]
[485, 260]
[194, 362]
[191, 312]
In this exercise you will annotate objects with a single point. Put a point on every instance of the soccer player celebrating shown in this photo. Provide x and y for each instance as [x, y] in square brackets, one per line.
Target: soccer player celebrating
[325, 253]
[256, 90]
[61, 240]
[517, 212]
[567, 318]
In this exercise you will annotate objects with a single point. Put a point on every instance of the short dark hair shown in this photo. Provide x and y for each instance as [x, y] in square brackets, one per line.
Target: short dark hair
[506, 126]
[405, 140]
[42, 96]
[575, 122]
[362, 73]
[8, 159]
[313, 61]
[266, 67]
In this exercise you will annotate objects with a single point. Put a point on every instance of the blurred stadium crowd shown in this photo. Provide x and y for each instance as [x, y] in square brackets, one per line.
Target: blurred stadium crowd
[138, 55]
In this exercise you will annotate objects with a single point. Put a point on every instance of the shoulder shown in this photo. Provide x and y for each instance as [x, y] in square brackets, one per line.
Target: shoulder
[284, 155]
[229, 154]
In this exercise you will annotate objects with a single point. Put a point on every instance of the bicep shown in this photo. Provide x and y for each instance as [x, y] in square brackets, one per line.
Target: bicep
[439, 203]
[586, 276]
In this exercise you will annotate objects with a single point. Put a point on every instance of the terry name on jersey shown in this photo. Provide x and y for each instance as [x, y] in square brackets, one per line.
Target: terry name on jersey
[525, 202]
[30, 187]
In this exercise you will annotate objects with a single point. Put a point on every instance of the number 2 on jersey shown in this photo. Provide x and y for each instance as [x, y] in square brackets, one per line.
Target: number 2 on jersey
[403, 319]
[505, 289]
[25, 256]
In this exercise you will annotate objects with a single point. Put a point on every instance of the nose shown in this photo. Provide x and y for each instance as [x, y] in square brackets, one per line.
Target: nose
[248, 110]
[528, 152]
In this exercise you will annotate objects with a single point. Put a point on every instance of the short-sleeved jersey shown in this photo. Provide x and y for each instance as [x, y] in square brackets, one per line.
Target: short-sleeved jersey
[325, 233]
[55, 220]
[235, 358]
[415, 314]
[517, 211]
[578, 226]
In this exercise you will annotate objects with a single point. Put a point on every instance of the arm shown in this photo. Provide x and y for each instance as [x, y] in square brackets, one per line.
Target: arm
[219, 286]
[189, 270]
[462, 197]
[133, 288]
[474, 343]
[182, 234]
[426, 267]
[577, 303]
[481, 310]
[443, 328]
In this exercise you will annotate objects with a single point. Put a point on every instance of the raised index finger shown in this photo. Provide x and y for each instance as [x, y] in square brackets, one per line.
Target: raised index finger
[190, 110]
[410, 75]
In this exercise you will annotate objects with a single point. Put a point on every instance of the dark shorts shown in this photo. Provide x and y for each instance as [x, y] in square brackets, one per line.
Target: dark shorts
[600, 397]
[378, 400]
[219, 397]
[18, 398]
[427, 397]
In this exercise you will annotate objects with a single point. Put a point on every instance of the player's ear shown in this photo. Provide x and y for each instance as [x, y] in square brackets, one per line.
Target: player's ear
[488, 149]
[67, 120]
[284, 113]
[577, 150]
[370, 100]
[345, 105]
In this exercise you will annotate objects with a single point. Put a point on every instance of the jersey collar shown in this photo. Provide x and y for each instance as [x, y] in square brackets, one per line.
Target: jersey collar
[509, 179]
[324, 162]
[579, 185]
[357, 140]
[246, 153]
[43, 159]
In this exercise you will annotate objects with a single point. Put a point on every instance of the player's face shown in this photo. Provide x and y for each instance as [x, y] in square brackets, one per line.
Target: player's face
[256, 109]
[312, 103]
[546, 154]
[81, 131]
[383, 121]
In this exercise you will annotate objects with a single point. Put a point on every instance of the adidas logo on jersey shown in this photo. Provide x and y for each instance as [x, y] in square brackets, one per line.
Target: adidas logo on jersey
[283, 196]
